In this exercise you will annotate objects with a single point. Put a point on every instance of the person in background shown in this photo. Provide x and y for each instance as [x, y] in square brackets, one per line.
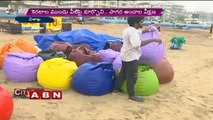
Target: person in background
[211, 29]
[130, 54]
[158, 26]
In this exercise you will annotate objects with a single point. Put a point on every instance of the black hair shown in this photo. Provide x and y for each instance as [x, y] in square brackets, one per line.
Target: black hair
[134, 20]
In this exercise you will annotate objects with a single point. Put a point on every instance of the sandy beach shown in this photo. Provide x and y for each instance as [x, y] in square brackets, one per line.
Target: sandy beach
[188, 97]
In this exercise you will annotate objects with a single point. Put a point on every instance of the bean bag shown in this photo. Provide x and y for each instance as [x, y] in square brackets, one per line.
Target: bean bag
[82, 55]
[66, 47]
[26, 46]
[84, 46]
[108, 55]
[6, 104]
[177, 42]
[164, 71]
[147, 82]
[49, 54]
[56, 73]
[116, 46]
[117, 63]
[7, 48]
[21, 66]
[59, 46]
[94, 79]
[153, 52]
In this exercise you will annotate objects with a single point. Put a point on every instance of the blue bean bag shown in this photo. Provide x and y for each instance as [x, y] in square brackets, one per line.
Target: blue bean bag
[94, 78]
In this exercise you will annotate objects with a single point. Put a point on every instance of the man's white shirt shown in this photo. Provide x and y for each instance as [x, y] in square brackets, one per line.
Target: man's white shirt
[131, 45]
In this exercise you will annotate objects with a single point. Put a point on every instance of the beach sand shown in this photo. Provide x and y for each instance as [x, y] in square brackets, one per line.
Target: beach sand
[188, 97]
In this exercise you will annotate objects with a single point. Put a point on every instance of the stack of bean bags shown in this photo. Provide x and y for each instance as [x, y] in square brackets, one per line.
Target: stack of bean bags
[78, 53]
[96, 41]
[6, 104]
[7, 48]
[153, 54]
[17, 46]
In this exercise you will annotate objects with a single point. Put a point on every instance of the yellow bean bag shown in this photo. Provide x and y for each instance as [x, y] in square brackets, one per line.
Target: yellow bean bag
[56, 73]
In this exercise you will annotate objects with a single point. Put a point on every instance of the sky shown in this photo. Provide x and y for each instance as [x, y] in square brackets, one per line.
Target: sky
[206, 6]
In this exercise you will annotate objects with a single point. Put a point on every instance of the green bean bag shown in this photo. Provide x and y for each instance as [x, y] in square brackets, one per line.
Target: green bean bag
[147, 82]
[177, 42]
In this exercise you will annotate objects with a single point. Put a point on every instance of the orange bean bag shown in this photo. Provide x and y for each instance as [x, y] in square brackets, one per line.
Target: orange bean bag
[164, 71]
[26, 46]
[7, 48]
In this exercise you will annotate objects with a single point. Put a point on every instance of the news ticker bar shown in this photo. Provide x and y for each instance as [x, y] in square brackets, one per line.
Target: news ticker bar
[91, 12]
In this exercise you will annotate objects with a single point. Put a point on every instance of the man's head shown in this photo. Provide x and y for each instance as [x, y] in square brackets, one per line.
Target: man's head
[136, 22]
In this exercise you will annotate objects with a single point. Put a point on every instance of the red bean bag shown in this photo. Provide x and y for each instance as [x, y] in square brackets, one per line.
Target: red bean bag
[26, 46]
[164, 71]
[83, 54]
[7, 48]
[6, 104]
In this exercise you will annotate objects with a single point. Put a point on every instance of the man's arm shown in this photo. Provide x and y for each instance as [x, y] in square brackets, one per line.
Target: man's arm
[143, 43]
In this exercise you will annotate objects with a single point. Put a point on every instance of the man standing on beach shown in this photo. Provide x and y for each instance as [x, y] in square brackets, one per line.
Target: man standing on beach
[130, 54]
[158, 26]
[211, 29]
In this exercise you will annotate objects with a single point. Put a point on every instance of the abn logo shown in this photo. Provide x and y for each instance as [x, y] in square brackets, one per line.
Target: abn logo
[46, 94]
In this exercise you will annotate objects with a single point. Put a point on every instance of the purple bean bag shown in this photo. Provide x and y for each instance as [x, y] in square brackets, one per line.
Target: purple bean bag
[117, 63]
[108, 55]
[21, 66]
[152, 52]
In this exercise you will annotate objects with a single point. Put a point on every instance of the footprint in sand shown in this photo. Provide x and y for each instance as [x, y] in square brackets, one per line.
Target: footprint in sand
[26, 117]
[50, 105]
[54, 116]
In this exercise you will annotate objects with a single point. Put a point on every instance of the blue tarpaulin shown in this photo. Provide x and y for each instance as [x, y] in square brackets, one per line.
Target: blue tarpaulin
[80, 36]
